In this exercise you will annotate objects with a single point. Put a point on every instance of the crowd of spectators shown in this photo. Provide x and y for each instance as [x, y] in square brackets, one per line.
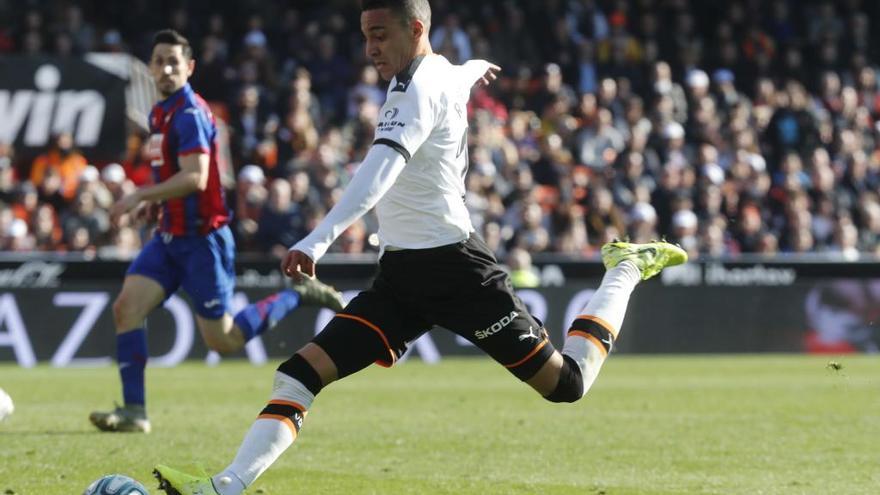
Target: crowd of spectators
[735, 126]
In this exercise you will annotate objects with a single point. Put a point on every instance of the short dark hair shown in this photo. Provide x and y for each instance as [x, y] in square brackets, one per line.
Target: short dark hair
[172, 37]
[406, 10]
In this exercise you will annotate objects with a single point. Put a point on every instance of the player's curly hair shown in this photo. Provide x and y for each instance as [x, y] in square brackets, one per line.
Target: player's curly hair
[172, 37]
[406, 10]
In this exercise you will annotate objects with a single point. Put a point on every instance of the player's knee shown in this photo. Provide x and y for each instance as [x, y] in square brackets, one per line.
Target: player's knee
[125, 313]
[570, 387]
[303, 373]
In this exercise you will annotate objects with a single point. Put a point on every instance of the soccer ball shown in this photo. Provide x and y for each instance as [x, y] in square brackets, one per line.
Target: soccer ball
[6, 405]
[115, 484]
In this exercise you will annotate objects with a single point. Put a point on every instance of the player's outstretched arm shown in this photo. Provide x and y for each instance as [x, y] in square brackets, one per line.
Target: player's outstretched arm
[374, 177]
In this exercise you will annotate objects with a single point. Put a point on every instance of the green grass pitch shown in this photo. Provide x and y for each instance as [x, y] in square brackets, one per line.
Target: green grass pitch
[651, 425]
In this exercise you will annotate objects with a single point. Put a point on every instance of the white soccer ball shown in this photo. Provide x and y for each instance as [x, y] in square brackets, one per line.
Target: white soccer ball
[117, 484]
[6, 405]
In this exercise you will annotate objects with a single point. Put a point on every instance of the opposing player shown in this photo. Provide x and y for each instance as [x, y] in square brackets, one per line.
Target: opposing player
[193, 247]
[434, 268]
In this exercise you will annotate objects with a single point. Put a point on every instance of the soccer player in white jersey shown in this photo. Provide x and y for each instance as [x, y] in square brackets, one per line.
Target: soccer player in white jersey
[434, 269]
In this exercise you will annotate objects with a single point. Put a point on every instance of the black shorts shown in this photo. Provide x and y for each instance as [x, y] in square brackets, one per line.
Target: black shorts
[459, 287]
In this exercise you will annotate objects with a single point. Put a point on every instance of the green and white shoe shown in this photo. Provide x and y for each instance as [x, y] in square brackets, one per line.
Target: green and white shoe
[128, 419]
[650, 258]
[174, 482]
[313, 292]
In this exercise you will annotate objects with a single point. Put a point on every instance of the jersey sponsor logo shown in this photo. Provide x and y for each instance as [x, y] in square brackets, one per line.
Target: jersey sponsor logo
[154, 149]
[389, 126]
[496, 327]
[389, 123]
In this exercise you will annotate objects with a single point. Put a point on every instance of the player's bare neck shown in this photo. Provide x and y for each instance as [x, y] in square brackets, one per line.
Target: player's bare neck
[423, 47]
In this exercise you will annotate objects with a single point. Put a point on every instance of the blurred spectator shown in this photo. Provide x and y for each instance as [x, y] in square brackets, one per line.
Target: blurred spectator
[247, 204]
[248, 120]
[522, 274]
[26, 202]
[115, 182]
[84, 224]
[212, 74]
[366, 90]
[728, 128]
[7, 180]
[125, 244]
[47, 231]
[137, 164]
[642, 223]
[449, 39]
[62, 159]
[281, 221]
[602, 214]
[352, 240]
[684, 231]
[331, 75]
[17, 237]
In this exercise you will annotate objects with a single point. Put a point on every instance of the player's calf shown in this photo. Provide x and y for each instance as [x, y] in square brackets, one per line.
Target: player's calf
[276, 427]
[223, 343]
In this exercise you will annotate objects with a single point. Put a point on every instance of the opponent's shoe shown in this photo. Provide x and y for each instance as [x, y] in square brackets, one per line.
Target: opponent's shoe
[122, 419]
[649, 258]
[313, 292]
[174, 482]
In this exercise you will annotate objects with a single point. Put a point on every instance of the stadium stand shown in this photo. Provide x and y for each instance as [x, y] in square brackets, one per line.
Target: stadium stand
[729, 126]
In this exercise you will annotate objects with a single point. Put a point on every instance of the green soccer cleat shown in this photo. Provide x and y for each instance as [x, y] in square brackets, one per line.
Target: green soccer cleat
[650, 258]
[313, 292]
[128, 419]
[174, 482]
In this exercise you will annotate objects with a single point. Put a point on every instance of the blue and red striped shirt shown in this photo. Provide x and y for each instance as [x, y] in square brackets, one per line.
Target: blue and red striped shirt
[180, 125]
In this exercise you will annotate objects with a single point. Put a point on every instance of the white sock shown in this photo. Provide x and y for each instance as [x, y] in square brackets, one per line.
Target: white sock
[607, 307]
[264, 443]
[267, 439]
[227, 483]
[610, 300]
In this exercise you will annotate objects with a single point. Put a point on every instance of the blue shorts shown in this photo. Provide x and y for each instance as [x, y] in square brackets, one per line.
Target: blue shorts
[203, 265]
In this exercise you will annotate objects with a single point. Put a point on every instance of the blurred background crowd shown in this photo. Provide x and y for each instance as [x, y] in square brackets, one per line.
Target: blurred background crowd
[734, 126]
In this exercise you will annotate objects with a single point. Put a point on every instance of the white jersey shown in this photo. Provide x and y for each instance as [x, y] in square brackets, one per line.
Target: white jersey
[414, 172]
[425, 119]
